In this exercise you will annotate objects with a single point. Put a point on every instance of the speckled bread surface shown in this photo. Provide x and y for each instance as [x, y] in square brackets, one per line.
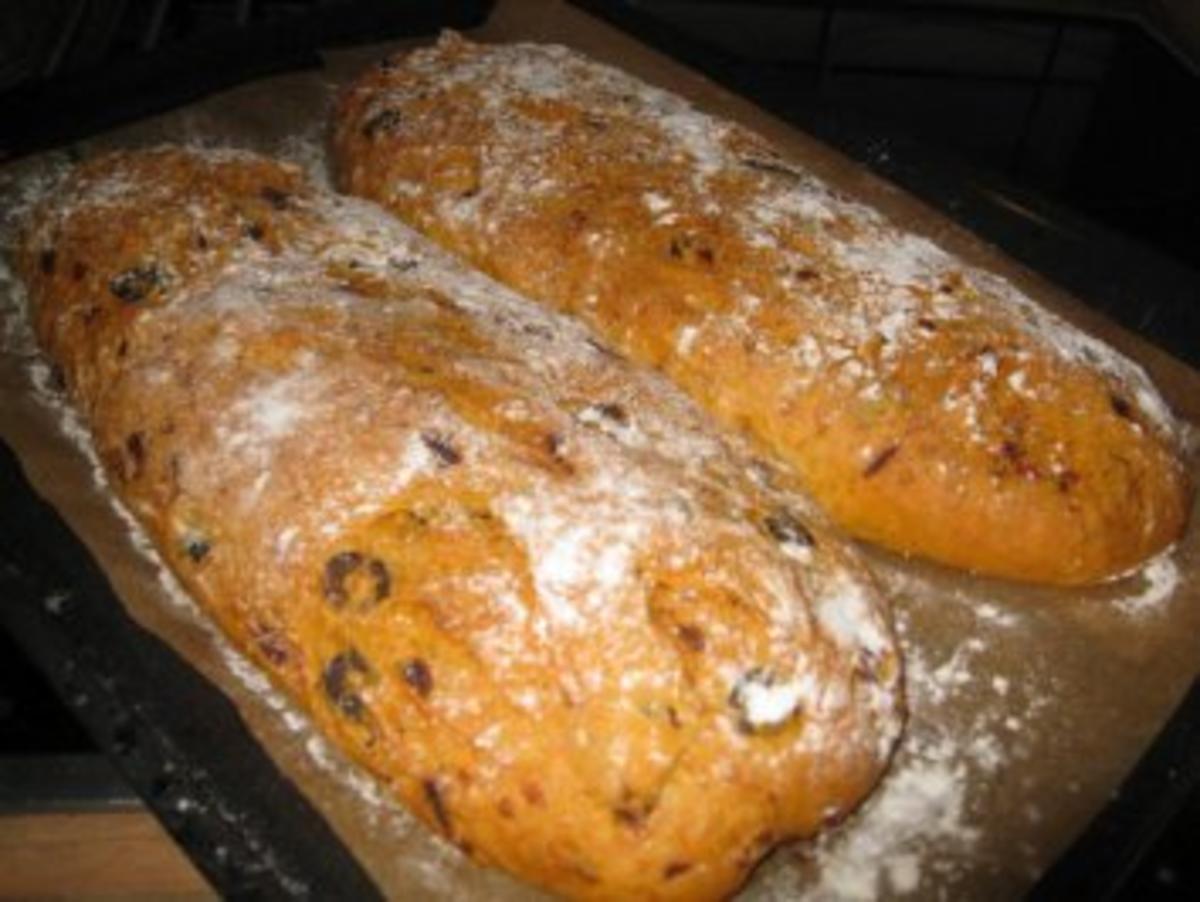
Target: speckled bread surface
[929, 405]
[522, 582]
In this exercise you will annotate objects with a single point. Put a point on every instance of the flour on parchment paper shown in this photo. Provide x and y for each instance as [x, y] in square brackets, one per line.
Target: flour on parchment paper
[922, 809]
[1159, 580]
[306, 149]
[919, 826]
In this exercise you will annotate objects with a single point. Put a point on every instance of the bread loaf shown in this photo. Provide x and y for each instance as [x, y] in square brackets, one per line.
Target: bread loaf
[522, 582]
[929, 405]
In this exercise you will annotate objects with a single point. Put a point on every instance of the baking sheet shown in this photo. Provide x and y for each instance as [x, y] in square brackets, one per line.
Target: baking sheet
[1028, 705]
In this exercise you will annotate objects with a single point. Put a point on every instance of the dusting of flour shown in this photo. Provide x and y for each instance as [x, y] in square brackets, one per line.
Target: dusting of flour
[921, 816]
[1160, 578]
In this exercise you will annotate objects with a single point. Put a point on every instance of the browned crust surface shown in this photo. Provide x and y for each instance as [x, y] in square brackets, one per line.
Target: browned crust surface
[929, 405]
[524, 584]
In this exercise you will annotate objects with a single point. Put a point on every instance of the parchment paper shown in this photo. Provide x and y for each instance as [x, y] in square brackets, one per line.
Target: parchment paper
[1028, 704]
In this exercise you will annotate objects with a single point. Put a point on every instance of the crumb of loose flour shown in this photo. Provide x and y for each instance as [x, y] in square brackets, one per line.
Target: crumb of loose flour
[1189, 438]
[1159, 579]
[22, 193]
[989, 614]
[306, 149]
[16, 335]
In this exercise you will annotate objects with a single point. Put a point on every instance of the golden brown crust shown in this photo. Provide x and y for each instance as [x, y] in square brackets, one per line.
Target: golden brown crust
[928, 405]
[521, 582]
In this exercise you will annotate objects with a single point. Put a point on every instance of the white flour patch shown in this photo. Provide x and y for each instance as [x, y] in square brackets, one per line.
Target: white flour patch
[1160, 578]
[923, 803]
[306, 150]
[920, 822]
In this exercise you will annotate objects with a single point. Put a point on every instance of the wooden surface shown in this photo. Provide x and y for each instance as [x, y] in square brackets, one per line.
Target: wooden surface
[113, 855]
